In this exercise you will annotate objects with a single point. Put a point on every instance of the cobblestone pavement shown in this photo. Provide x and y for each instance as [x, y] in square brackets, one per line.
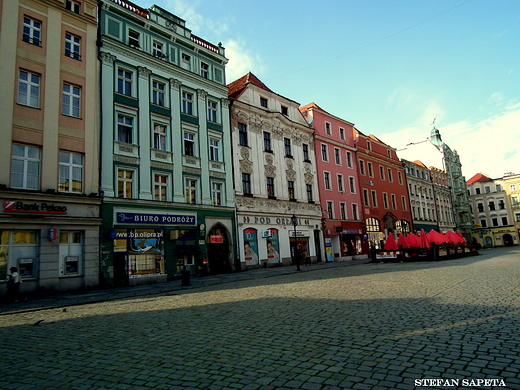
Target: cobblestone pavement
[366, 326]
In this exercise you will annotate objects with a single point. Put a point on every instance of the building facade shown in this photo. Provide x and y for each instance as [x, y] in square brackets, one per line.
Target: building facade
[49, 224]
[275, 177]
[166, 175]
[511, 183]
[337, 171]
[442, 195]
[493, 223]
[382, 180]
[434, 152]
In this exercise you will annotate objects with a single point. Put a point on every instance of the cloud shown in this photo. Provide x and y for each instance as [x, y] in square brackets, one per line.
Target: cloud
[241, 61]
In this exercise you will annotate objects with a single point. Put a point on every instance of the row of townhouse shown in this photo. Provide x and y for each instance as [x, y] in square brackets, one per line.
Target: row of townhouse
[130, 159]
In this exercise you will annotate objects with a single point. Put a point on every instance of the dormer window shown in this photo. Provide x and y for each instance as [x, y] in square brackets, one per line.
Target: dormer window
[72, 6]
[263, 102]
[284, 110]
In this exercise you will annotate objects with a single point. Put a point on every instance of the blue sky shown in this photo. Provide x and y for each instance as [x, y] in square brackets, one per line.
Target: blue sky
[390, 67]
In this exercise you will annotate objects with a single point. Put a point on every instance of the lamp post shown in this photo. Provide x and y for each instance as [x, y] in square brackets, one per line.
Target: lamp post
[294, 221]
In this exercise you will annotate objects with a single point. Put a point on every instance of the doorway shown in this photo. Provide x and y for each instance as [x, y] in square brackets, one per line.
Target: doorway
[219, 252]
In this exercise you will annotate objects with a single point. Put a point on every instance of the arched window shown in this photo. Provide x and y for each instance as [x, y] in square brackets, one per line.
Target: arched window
[372, 225]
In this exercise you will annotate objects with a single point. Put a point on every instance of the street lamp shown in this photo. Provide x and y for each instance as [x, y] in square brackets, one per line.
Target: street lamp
[294, 221]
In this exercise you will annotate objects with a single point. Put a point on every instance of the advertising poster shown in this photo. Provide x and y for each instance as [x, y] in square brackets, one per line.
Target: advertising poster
[328, 248]
[251, 246]
[273, 247]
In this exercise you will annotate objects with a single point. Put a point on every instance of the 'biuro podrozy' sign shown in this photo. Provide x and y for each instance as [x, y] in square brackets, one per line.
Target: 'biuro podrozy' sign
[156, 219]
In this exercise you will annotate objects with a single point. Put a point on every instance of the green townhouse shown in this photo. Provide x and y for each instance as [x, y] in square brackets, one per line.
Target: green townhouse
[166, 177]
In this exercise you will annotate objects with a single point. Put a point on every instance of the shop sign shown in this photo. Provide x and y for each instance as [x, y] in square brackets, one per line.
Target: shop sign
[161, 219]
[12, 206]
[350, 231]
[216, 239]
[298, 234]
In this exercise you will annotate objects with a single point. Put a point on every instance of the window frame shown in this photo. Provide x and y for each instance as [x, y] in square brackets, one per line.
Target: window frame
[341, 185]
[188, 104]
[26, 160]
[270, 187]
[246, 184]
[242, 134]
[159, 95]
[267, 142]
[189, 140]
[161, 187]
[125, 181]
[34, 35]
[214, 149]
[31, 86]
[74, 49]
[212, 114]
[129, 128]
[125, 85]
[74, 100]
[287, 147]
[190, 190]
[326, 181]
[70, 165]
[216, 193]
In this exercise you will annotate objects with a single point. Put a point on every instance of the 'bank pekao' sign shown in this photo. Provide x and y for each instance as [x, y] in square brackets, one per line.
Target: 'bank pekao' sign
[156, 219]
[12, 206]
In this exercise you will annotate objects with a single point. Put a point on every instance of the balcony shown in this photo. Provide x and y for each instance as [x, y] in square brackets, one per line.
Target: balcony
[126, 149]
[162, 156]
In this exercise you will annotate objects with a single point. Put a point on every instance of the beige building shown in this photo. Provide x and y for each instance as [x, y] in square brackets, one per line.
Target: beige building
[511, 183]
[49, 223]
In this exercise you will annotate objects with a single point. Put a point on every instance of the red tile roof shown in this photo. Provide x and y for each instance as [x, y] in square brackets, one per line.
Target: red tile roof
[235, 88]
[479, 177]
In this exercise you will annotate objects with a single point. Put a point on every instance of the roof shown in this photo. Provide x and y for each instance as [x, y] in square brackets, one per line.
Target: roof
[417, 162]
[479, 177]
[312, 105]
[235, 88]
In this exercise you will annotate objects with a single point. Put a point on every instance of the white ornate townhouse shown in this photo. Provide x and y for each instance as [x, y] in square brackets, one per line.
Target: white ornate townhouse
[278, 209]
[493, 223]
[166, 171]
[434, 152]
[49, 223]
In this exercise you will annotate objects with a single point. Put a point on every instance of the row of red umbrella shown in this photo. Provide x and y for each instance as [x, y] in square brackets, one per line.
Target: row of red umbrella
[423, 240]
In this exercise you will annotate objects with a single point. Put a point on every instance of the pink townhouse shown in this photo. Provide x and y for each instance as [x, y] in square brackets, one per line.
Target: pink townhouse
[337, 172]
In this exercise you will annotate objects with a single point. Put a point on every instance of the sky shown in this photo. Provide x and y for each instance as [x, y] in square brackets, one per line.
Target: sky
[391, 67]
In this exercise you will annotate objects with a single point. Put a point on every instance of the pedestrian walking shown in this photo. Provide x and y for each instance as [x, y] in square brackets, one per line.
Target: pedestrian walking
[13, 285]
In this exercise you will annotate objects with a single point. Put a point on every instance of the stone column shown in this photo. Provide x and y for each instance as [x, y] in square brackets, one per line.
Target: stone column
[144, 133]
[177, 141]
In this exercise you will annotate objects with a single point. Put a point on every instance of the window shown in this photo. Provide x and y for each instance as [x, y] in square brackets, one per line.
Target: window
[72, 6]
[25, 167]
[328, 128]
[186, 62]
[362, 167]
[352, 184]
[394, 203]
[160, 187]
[512, 187]
[355, 214]
[157, 49]
[287, 146]
[270, 187]
[491, 205]
[517, 215]
[191, 191]
[390, 179]
[263, 102]
[189, 143]
[125, 181]
[308, 188]
[483, 222]
[382, 172]
[72, 46]
[326, 177]
[343, 210]
[32, 31]
[385, 200]
[70, 252]
[366, 199]
[158, 90]
[213, 150]
[349, 159]
[487, 189]
[71, 172]
[369, 145]
[372, 225]
[342, 133]
[216, 192]
[400, 177]
[267, 142]
[305, 149]
[125, 127]
[284, 110]
[159, 137]
[477, 191]
[480, 207]
[337, 156]
[514, 200]
[246, 183]
[187, 103]
[504, 221]
[71, 99]
[290, 189]
[340, 183]
[501, 205]
[133, 39]
[29, 89]
[403, 202]
[389, 153]
[124, 82]
[204, 70]
[374, 199]
[212, 111]
[242, 134]
[370, 169]
[330, 209]
[324, 153]
[494, 221]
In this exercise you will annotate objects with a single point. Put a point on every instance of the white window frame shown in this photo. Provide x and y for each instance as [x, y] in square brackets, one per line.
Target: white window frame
[204, 69]
[157, 49]
[72, 46]
[31, 97]
[32, 31]
[71, 100]
[355, 211]
[71, 251]
[343, 210]
[212, 111]
[352, 184]
[394, 201]
[186, 61]
[27, 162]
[373, 198]
[366, 197]
[189, 137]
[131, 127]
[161, 186]
[128, 84]
[73, 6]
[337, 156]
[386, 204]
[328, 128]
[216, 193]
[326, 181]
[159, 94]
[188, 102]
[71, 171]
[330, 209]
[342, 133]
[370, 168]
[160, 137]
[190, 190]
[341, 184]
[349, 159]
[324, 153]
[134, 41]
[124, 180]
[214, 149]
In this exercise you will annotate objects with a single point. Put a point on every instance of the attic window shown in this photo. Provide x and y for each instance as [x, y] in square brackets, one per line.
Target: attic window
[72, 6]
[284, 110]
[263, 102]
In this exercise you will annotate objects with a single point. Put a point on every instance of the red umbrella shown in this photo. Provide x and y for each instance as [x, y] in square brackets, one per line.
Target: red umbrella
[461, 236]
[452, 238]
[425, 242]
[413, 240]
[402, 242]
[390, 244]
[436, 237]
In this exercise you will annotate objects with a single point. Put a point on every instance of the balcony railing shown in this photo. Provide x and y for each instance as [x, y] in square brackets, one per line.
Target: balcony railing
[203, 43]
[132, 7]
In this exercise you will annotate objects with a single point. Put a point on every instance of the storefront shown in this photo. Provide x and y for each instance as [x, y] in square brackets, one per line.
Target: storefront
[144, 245]
[52, 239]
[493, 237]
[346, 240]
